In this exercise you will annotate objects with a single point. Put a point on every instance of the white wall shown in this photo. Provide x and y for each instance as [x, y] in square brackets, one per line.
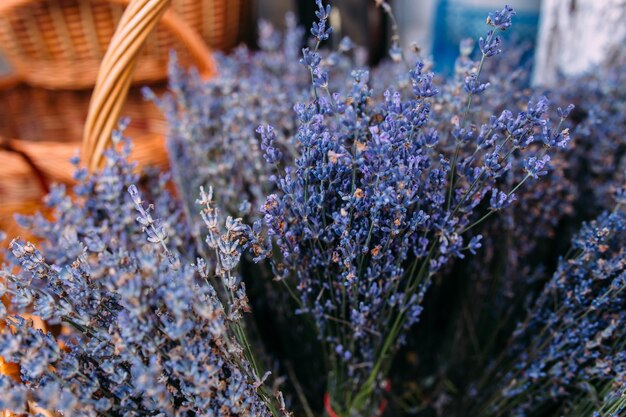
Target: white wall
[576, 35]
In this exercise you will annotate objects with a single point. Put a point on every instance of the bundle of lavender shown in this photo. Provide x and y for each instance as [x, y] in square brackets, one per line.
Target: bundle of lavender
[336, 248]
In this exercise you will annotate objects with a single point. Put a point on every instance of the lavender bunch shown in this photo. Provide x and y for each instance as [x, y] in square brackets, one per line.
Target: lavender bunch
[572, 343]
[146, 330]
[378, 201]
[485, 296]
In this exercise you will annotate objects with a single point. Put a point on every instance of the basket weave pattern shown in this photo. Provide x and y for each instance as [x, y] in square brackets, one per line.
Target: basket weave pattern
[61, 43]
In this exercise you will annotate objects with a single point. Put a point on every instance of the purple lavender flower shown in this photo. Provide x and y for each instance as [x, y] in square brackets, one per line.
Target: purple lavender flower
[310, 58]
[318, 29]
[501, 19]
[500, 200]
[491, 45]
[422, 83]
[268, 137]
[535, 166]
[472, 86]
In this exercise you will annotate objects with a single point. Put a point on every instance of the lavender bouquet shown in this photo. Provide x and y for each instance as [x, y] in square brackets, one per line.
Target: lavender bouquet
[148, 333]
[388, 213]
[378, 201]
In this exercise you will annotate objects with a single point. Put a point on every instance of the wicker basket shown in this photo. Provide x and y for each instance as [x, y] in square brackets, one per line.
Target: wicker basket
[61, 43]
[47, 126]
[41, 129]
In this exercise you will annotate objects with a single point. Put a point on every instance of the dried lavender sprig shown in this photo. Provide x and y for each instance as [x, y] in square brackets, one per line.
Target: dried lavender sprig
[153, 228]
[500, 20]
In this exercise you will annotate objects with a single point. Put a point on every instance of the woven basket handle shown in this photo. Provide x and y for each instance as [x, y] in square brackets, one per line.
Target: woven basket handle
[118, 64]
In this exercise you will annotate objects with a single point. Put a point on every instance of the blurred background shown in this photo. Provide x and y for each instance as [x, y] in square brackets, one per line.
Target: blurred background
[50, 53]
[563, 36]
